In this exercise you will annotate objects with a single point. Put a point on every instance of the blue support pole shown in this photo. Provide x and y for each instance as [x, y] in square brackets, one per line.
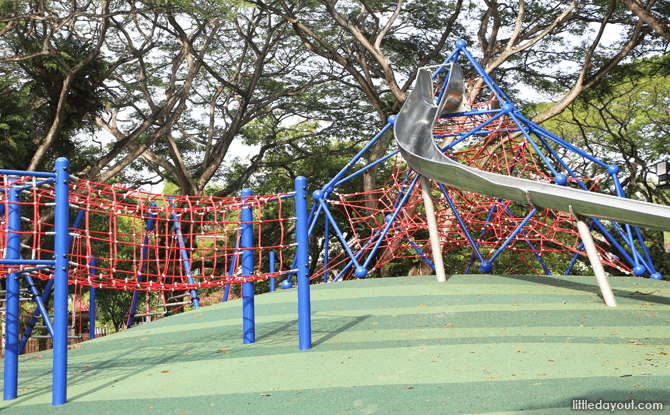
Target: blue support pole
[47, 293]
[488, 220]
[530, 244]
[413, 245]
[248, 326]
[546, 134]
[186, 260]
[366, 168]
[353, 161]
[330, 218]
[604, 231]
[273, 280]
[534, 145]
[41, 310]
[512, 236]
[231, 270]
[11, 374]
[636, 255]
[61, 226]
[644, 249]
[388, 226]
[145, 254]
[357, 256]
[325, 255]
[460, 222]
[302, 256]
[91, 302]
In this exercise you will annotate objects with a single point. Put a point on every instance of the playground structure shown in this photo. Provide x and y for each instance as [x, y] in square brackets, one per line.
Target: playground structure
[174, 245]
[130, 240]
[490, 161]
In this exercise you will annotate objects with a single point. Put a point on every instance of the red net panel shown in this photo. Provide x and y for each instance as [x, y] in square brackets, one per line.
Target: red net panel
[190, 238]
[498, 147]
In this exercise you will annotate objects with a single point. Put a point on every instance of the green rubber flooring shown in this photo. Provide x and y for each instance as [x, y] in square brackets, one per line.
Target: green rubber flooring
[476, 344]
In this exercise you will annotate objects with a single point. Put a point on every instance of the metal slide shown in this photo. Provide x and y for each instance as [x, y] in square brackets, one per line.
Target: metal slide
[413, 129]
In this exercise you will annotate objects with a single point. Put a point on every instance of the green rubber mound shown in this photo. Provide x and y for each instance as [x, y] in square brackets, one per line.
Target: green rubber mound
[476, 344]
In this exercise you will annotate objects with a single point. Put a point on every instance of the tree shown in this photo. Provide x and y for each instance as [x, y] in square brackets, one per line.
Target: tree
[51, 45]
[379, 45]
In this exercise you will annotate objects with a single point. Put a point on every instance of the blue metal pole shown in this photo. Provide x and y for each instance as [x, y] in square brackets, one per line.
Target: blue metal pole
[412, 244]
[145, 254]
[366, 168]
[638, 269]
[474, 131]
[61, 226]
[41, 308]
[530, 244]
[604, 231]
[273, 280]
[460, 222]
[339, 235]
[386, 229]
[11, 374]
[644, 249]
[512, 236]
[353, 161]
[91, 302]
[535, 146]
[248, 326]
[47, 293]
[460, 44]
[358, 255]
[29, 329]
[231, 270]
[325, 254]
[539, 130]
[637, 257]
[186, 260]
[301, 225]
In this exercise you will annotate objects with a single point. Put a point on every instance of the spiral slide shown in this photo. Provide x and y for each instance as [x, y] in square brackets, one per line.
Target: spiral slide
[413, 129]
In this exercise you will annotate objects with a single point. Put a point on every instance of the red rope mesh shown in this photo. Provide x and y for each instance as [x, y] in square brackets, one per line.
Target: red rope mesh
[497, 150]
[114, 230]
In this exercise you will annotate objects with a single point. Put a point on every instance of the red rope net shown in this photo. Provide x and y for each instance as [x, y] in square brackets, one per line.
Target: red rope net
[191, 237]
[500, 148]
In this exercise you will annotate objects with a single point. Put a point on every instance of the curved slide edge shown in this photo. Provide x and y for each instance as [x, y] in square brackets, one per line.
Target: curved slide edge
[413, 130]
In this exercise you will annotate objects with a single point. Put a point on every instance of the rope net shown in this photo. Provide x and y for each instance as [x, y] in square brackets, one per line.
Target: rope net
[152, 242]
[498, 147]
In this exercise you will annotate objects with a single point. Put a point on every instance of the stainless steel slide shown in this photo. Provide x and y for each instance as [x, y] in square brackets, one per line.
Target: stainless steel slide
[413, 131]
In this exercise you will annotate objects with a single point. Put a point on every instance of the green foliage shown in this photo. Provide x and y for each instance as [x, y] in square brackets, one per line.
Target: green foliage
[16, 146]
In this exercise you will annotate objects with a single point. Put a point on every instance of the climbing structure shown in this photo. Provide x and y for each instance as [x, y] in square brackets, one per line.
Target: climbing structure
[153, 242]
[488, 134]
[65, 231]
